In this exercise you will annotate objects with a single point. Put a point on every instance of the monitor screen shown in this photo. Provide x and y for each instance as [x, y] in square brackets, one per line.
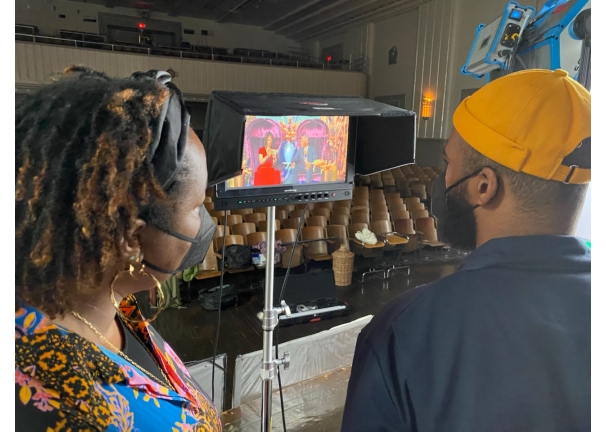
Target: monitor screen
[293, 150]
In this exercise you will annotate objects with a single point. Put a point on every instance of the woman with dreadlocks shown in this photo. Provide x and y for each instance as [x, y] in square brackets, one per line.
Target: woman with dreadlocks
[110, 185]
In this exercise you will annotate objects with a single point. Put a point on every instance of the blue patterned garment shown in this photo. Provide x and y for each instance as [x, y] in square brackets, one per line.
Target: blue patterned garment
[65, 382]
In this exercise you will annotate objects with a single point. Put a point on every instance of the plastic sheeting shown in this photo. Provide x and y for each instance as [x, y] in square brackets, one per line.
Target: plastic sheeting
[315, 405]
[309, 357]
[201, 372]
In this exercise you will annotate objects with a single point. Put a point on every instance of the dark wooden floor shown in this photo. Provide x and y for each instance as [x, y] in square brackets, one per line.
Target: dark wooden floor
[191, 331]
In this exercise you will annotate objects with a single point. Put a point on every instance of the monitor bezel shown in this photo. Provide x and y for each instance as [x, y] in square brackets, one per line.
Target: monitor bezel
[223, 192]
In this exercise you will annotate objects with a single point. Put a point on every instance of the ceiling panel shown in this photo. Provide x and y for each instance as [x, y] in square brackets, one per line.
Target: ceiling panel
[264, 12]
[296, 19]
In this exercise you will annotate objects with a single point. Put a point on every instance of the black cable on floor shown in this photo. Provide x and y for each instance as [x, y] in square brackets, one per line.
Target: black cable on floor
[219, 310]
[292, 254]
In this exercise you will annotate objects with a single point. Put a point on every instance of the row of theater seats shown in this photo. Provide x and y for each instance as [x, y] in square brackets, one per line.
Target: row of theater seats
[410, 180]
[398, 217]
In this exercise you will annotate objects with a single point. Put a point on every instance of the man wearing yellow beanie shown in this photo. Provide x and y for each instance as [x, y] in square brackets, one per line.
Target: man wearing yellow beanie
[504, 342]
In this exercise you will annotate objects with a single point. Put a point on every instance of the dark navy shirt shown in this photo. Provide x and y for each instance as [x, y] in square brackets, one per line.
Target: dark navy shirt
[503, 344]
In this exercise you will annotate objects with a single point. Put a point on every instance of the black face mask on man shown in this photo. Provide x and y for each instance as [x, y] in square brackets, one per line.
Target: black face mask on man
[457, 224]
[199, 245]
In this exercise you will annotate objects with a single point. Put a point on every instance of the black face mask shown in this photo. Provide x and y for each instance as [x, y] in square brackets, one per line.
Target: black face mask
[457, 224]
[199, 245]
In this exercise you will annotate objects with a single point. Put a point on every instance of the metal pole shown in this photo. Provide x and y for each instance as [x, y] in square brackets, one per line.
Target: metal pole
[269, 316]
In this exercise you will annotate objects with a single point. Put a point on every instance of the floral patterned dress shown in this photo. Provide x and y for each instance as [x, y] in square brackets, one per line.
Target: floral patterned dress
[64, 382]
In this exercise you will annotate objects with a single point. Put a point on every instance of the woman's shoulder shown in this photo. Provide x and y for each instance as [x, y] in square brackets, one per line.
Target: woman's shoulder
[59, 376]
[262, 151]
[57, 373]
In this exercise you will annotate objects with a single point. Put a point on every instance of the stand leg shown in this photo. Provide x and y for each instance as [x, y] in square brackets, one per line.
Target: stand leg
[269, 314]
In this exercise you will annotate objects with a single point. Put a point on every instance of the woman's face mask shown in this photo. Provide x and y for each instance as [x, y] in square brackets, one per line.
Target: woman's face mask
[198, 248]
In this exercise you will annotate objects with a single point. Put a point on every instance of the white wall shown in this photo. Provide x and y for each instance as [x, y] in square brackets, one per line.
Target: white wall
[354, 40]
[36, 64]
[41, 14]
[434, 67]
[399, 31]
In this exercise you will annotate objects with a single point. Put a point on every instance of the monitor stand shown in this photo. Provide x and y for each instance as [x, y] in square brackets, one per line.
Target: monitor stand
[271, 316]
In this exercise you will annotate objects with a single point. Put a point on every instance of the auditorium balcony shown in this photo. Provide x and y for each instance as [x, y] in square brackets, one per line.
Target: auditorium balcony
[200, 69]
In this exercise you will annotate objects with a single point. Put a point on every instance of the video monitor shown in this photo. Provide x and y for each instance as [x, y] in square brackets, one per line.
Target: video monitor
[293, 150]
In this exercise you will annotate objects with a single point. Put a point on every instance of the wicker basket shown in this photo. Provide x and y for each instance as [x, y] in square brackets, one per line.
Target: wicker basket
[342, 265]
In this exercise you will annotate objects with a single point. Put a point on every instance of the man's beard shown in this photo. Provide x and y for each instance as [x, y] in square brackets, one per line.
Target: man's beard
[458, 226]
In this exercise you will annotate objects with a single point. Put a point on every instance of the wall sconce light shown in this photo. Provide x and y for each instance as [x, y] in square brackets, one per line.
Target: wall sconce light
[426, 107]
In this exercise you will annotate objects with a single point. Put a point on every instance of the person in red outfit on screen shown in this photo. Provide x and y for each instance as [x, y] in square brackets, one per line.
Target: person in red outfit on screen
[266, 174]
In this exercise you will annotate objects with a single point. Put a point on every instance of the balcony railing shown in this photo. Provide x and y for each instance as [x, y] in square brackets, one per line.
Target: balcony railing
[200, 52]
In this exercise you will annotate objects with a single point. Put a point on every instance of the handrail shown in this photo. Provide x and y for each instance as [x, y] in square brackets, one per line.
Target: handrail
[169, 52]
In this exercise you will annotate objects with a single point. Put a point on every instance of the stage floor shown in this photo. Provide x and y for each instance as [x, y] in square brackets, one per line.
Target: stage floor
[191, 331]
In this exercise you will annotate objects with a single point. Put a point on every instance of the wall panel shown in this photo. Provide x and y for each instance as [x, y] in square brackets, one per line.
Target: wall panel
[37, 63]
[433, 66]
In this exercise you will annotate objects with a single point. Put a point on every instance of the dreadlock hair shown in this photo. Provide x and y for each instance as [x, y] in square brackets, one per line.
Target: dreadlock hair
[83, 171]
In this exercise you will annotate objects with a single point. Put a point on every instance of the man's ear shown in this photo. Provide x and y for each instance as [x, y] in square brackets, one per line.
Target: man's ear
[130, 246]
[487, 186]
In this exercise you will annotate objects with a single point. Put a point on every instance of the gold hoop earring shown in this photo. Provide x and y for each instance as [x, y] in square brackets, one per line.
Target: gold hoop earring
[142, 272]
